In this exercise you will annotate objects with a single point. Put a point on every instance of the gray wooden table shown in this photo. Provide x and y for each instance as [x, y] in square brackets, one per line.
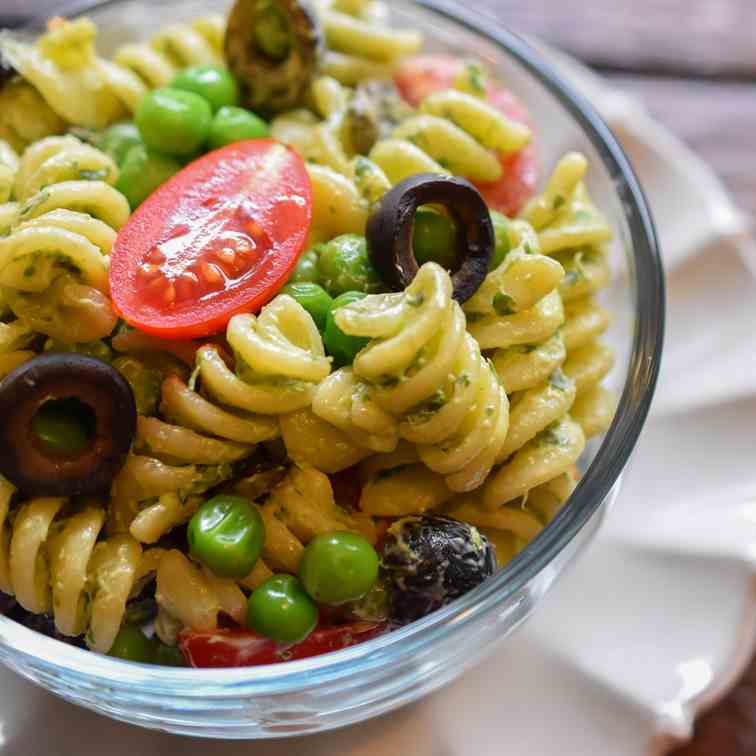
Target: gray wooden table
[693, 62]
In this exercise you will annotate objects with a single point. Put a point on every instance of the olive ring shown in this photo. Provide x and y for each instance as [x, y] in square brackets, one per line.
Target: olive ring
[54, 377]
[390, 227]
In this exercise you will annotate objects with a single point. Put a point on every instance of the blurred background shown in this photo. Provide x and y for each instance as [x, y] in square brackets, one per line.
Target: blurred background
[693, 64]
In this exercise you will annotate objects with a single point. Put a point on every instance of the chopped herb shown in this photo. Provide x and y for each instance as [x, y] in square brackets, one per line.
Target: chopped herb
[503, 304]
[361, 167]
[559, 201]
[559, 380]
[528, 249]
[389, 472]
[418, 362]
[571, 278]
[99, 175]
[550, 436]
[463, 379]
[37, 200]
[29, 271]
[425, 411]
[473, 78]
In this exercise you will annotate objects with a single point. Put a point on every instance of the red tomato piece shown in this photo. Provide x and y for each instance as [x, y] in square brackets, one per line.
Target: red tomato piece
[418, 77]
[244, 648]
[219, 238]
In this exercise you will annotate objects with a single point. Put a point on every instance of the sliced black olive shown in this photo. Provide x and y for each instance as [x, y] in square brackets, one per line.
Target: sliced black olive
[68, 424]
[272, 47]
[389, 231]
[430, 560]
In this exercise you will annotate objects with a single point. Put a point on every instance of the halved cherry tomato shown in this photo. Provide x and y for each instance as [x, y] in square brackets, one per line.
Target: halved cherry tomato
[418, 77]
[244, 648]
[219, 238]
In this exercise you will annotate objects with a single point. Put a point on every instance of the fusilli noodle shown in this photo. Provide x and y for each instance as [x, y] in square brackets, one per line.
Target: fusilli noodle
[279, 361]
[53, 262]
[421, 378]
[51, 561]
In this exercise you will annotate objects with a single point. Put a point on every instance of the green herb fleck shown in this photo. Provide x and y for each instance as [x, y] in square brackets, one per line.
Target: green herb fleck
[98, 175]
[387, 381]
[361, 167]
[463, 380]
[559, 380]
[571, 278]
[389, 472]
[503, 304]
[559, 201]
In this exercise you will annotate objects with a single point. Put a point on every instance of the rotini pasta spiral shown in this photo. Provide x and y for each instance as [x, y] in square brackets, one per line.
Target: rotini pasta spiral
[8, 168]
[455, 133]
[86, 90]
[360, 45]
[506, 307]
[572, 229]
[279, 361]
[14, 338]
[345, 183]
[421, 378]
[191, 596]
[25, 117]
[53, 262]
[159, 486]
[139, 67]
[52, 561]
[299, 508]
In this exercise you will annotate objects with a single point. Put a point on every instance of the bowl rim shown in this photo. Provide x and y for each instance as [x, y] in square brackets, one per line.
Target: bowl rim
[595, 485]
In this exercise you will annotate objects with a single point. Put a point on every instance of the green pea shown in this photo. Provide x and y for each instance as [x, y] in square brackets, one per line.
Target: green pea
[145, 382]
[339, 345]
[338, 567]
[143, 171]
[227, 534]
[132, 644]
[214, 83]
[434, 239]
[281, 610]
[235, 125]
[501, 234]
[64, 426]
[174, 121]
[118, 139]
[307, 269]
[313, 298]
[344, 266]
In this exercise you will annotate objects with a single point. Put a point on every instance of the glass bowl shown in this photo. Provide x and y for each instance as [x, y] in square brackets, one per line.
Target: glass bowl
[370, 679]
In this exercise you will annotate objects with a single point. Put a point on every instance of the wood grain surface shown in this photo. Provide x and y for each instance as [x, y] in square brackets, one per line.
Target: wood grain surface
[693, 62]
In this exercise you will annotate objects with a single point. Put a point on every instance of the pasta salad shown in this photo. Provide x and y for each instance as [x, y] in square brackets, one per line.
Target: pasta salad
[293, 348]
